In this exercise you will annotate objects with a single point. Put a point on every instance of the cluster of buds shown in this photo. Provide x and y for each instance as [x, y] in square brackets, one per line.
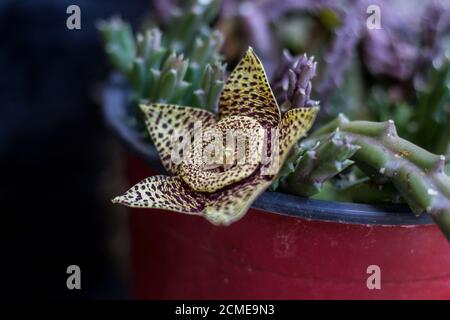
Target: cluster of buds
[292, 82]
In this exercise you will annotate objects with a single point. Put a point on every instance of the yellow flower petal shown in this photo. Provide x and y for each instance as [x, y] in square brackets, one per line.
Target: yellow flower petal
[166, 122]
[170, 193]
[294, 125]
[247, 93]
[162, 192]
[210, 181]
[232, 203]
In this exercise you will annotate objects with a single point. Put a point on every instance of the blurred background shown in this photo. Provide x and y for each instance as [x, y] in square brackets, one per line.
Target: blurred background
[61, 165]
[58, 159]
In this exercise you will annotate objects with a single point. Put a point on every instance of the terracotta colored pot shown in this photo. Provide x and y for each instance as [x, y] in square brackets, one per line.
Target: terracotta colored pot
[286, 247]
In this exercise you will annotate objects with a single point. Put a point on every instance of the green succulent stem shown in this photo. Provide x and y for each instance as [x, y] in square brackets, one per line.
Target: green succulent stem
[362, 190]
[417, 174]
[180, 66]
[320, 162]
[433, 111]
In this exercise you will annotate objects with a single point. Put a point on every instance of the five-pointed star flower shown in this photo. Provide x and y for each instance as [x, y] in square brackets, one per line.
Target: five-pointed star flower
[221, 195]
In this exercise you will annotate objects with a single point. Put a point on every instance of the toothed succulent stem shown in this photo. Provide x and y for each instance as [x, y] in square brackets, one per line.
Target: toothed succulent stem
[417, 174]
[322, 161]
[432, 111]
[288, 167]
[186, 23]
[119, 43]
[159, 75]
[211, 84]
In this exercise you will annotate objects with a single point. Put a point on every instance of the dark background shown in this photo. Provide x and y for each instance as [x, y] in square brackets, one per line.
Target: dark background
[55, 150]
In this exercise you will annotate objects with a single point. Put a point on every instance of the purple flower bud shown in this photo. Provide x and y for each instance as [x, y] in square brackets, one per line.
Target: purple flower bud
[292, 81]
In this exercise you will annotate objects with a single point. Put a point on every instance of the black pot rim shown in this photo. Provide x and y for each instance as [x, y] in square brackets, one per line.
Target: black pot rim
[114, 105]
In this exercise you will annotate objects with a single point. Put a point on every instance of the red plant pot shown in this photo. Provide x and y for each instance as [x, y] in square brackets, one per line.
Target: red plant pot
[286, 247]
[273, 256]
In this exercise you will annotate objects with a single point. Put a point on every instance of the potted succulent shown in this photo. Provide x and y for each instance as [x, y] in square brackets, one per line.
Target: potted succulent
[301, 238]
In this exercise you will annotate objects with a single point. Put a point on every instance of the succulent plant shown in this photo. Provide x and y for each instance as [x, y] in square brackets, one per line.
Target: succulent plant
[432, 112]
[187, 23]
[389, 162]
[179, 66]
[417, 174]
[321, 162]
[119, 43]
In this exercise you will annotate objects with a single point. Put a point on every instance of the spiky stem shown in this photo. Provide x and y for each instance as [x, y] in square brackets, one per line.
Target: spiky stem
[417, 174]
[327, 158]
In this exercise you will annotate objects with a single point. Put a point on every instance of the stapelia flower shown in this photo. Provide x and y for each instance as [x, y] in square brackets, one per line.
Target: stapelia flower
[221, 194]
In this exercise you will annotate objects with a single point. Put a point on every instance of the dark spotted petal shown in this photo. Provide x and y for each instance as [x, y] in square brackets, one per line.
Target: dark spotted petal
[231, 204]
[162, 192]
[168, 123]
[294, 125]
[247, 93]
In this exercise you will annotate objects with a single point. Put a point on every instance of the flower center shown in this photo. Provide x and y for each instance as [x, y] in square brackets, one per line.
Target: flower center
[227, 152]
